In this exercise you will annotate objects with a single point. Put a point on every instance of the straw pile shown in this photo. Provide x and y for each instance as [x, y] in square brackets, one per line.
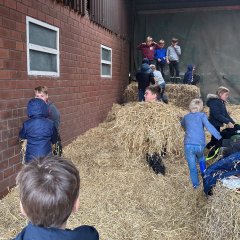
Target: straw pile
[149, 127]
[119, 194]
[182, 94]
[130, 94]
[178, 94]
[222, 220]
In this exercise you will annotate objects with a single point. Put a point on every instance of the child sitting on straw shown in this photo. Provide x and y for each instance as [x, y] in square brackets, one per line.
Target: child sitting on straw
[194, 139]
[49, 193]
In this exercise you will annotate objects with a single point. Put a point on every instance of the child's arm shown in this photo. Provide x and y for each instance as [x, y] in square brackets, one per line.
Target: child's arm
[211, 128]
[141, 46]
[22, 133]
[54, 135]
[217, 113]
[177, 50]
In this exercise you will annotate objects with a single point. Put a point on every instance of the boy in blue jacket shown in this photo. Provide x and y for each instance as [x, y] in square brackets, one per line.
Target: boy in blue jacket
[194, 139]
[160, 57]
[38, 130]
[49, 193]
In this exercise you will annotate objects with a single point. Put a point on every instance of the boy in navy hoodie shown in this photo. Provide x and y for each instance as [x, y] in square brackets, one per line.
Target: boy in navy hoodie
[49, 193]
[38, 130]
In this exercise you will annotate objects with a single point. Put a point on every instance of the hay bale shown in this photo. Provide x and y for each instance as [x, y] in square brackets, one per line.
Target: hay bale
[222, 219]
[182, 94]
[130, 94]
[178, 94]
[142, 128]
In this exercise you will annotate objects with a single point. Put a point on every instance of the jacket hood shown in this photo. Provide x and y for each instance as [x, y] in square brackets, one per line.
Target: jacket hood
[37, 108]
[190, 67]
[211, 97]
[145, 67]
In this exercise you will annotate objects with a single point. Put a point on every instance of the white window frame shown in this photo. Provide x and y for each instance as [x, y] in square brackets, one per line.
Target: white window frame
[106, 62]
[35, 47]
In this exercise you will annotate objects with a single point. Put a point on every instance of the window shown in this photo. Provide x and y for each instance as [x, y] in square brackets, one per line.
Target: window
[106, 61]
[42, 48]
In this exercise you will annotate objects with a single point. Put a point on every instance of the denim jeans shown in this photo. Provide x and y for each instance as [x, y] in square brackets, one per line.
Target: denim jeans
[194, 154]
[141, 95]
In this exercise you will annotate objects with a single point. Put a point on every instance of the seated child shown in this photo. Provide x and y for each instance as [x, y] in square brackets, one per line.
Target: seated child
[153, 94]
[38, 130]
[49, 193]
[194, 140]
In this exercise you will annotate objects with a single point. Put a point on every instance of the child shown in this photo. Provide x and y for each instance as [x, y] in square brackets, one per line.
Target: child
[159, 80]
[218, 114]
[160, 57]
[147, 48]
[153, 94]
[172, 57]
[49, 193]
[42, 92]
[38, 130]
[194, 140]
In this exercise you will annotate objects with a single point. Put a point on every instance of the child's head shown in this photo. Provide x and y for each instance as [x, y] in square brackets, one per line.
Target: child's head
[41, 92]
[174, 41]
[151, 93]
[49, 189]
[153, 67]
[161, 43]
[223, 93]
[149, 40]
[37, 107]
[196, 105]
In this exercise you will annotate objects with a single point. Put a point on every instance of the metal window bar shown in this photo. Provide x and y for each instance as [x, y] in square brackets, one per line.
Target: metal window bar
[77, 5]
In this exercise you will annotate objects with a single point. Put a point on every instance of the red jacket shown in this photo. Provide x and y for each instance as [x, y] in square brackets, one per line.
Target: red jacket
[148, 51]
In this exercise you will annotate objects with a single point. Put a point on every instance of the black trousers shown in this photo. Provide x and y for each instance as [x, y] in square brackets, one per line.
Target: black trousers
[174, 69]
[161, 67]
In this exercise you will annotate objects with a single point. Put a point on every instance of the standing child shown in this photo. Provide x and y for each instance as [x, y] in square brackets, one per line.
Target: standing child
[49, 194]
[160, 57]
[147, 48]
[218, 114]
[38, 130]
[194, 140]
[173, 53]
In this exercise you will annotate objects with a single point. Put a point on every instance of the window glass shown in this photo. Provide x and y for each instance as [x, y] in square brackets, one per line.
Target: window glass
[42, 36]
[106, 54]
[106, 69]
[40, 61]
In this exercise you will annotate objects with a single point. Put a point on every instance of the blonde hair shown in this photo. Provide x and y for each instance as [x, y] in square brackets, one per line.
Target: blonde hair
[221, 90]
[41, 89]
[196, 105]
[161, 41]
[153, 67]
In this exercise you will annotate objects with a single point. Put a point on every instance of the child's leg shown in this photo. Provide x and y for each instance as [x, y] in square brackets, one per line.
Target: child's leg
[171, 70]
[202, 160]
[190, 154]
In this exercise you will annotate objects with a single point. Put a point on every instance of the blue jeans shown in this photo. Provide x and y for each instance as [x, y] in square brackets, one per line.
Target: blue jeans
[141, 95]
[194, 154]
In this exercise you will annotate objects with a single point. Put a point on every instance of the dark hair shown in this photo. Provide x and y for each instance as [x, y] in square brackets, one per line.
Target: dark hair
[154, 89]
[49, 188]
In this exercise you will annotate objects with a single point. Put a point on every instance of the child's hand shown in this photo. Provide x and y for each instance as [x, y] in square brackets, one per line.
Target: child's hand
[230, 125]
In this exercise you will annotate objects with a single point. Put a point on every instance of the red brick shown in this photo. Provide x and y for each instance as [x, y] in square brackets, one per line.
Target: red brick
[8, 172]
[4, 53]
[4, 164]
[8, 153]
[21, 8]
[11, 4]
[14, 160]
[7, 23]
[4, 11]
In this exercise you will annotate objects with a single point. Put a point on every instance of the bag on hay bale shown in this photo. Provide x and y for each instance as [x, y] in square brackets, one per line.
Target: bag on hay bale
[155, 162]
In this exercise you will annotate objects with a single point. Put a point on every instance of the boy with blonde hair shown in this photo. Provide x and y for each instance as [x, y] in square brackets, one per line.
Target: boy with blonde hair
[194, 139]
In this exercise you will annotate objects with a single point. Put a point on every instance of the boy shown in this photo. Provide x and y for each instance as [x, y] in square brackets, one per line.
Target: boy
[38, 130]
[49, 193]
[54, 115]
[160, 57]
[147, 48]
[159, 80]
[172, 57]
[194, 139]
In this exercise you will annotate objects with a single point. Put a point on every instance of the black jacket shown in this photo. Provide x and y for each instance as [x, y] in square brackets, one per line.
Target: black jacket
[218, 114]
[144, 77]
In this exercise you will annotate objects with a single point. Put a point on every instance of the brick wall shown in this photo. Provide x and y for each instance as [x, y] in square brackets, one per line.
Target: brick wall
[82, 96]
